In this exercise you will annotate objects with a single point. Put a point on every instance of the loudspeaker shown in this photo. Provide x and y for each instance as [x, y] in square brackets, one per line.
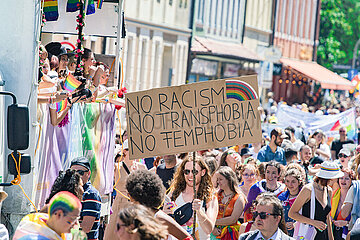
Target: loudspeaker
[25, 163]
[18, 127]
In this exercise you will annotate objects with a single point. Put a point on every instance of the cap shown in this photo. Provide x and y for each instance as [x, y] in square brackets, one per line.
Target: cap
[345, 152]
[245, 151]
[81, 161]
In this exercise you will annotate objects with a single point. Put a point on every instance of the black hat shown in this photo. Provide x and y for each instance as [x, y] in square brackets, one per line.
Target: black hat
[81, 161]
[64, 51]
[245, 151]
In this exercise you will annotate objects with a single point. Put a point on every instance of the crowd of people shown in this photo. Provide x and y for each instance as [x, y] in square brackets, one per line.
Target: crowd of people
[288, 186]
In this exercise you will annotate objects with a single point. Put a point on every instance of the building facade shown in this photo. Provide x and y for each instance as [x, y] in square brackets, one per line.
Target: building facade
[217, 50]
[155, 49]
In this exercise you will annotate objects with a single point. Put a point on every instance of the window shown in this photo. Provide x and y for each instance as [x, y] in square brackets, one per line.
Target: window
[170, 2]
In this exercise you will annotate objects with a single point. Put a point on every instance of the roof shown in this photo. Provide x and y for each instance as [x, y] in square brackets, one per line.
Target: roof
[208, 46]
[327, 78]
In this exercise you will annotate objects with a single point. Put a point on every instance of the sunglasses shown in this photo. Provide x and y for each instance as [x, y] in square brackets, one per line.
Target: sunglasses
[343, 155]
[81, 172]
[187, 172]
[263, 215]
[118, 226]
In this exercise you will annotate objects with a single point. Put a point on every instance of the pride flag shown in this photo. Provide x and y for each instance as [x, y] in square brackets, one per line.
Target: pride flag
[51, 10]
[72, 5]
[71, 83]
[60, 106]
[90, 8]
[100, 3]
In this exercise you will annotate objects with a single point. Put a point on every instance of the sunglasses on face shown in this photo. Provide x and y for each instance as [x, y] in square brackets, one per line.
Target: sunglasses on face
[81, 172]
[342, 155]
[262, 215]
[118, 226]
[187, 172]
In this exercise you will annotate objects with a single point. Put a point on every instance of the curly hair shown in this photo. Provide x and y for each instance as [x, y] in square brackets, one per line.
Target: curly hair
[69, 181]
[205, 189]
[140, 220]
[146, 188]
[297, 174]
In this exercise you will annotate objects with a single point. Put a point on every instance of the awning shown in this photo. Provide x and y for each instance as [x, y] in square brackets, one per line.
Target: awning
[327, 78]
[208, 46]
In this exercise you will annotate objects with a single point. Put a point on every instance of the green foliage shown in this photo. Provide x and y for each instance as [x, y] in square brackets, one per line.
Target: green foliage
[339, 31]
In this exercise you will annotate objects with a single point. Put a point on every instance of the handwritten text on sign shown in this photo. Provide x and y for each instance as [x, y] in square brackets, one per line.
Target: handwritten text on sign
[193, 117]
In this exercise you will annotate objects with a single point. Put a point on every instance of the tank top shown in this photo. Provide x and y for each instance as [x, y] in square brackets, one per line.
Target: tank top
[199, 233]
[320, 215]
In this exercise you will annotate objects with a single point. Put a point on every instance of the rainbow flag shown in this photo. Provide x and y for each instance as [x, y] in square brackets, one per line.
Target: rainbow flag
[72, 5]
[51, 10]
[100, 3]
[60, 106]
[71, 83]
[90, 8]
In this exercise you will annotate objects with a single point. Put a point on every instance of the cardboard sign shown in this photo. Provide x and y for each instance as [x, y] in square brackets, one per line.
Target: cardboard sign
[193, 117]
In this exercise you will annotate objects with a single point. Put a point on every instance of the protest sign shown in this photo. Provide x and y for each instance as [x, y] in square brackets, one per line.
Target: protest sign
[193, 117]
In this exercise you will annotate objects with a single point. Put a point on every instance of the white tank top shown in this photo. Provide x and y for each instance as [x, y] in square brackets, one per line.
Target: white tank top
[199, 233]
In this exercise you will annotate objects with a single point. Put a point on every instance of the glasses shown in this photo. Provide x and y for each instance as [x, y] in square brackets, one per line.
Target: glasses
[187, 172]
[118, 226]
[343, 155]
[263, 215]
[81, 172]
[248, 175]
[341, 130]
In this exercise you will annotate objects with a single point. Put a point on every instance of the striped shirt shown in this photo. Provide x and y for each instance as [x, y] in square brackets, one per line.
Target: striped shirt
[91, 206]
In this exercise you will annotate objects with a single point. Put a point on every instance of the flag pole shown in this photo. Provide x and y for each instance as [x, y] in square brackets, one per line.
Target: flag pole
[194, 187]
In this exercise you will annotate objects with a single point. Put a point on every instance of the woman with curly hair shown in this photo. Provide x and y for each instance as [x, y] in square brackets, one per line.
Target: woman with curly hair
[183, 200]
[136, 222]
[147, 189]
[294, 181]
[68, 180]
[231, 202]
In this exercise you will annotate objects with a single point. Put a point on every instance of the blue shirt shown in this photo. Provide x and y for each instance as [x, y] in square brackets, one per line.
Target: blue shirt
[266, 155]
[91, 206]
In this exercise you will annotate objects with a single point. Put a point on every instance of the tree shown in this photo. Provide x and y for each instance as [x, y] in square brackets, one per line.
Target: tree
[339, 31]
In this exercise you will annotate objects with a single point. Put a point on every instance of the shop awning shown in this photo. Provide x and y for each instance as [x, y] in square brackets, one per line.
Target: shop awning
[208, 46]
[327, 78]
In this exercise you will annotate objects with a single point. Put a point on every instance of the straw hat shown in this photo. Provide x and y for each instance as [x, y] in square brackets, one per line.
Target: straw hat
[329, 170]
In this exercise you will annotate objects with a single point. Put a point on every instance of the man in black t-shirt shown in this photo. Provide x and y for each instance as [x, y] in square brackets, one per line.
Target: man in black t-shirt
[337, 145]
[167, 168]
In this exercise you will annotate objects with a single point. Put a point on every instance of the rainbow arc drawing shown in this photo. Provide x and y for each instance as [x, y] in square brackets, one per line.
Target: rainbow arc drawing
[240, 90]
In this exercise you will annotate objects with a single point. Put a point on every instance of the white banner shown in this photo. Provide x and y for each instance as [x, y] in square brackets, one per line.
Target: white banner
[329, 124]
